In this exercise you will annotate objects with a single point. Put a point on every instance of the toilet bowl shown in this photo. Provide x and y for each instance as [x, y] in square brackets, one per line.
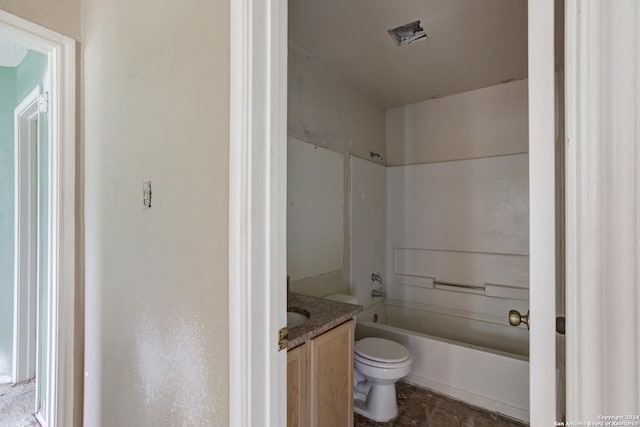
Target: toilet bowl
[382, 362]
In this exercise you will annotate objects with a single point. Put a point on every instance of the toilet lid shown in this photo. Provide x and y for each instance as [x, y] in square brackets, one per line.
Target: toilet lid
[381, 350]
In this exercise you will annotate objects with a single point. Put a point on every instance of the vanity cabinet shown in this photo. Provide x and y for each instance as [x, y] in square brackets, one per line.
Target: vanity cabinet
[320, 380]
[297, 395]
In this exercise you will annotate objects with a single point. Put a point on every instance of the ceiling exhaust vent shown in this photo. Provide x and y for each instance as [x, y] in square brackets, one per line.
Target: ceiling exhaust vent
[408, 33]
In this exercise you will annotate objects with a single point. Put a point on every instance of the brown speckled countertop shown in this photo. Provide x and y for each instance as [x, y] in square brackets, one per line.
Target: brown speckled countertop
[324, 314]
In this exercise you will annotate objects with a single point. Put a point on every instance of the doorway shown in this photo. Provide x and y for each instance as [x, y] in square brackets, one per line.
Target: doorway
[266, 36]
[37, 223]
[447, 111]
[24, 220]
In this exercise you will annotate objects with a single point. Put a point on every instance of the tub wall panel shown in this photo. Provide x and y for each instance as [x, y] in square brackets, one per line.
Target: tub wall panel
[463, 222]
[367, 243]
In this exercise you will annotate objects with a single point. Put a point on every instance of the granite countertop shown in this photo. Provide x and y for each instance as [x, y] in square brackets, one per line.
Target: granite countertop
[324, 314]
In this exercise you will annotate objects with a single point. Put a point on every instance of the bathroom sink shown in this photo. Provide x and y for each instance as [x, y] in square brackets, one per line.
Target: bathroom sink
[296, 317]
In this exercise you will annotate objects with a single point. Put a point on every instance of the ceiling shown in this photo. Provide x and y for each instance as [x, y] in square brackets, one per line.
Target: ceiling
[472, 44]
[11, 55]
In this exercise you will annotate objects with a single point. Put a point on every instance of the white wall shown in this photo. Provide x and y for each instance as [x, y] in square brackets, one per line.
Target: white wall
[325, 110]
[484, 122]
[156, 107]
[62, 16]
[368, 226]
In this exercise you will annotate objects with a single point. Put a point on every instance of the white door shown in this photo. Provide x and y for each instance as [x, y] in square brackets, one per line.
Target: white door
[27, 238]
[542, 232]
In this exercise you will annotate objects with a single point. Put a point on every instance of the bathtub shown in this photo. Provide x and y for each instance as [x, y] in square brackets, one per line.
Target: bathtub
[479, 360]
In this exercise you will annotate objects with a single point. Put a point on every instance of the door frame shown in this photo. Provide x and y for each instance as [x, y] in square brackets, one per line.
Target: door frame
[542, 214]
[61, 52]
[257, 208]
[257, 212]
[602, 59]
[25, 269]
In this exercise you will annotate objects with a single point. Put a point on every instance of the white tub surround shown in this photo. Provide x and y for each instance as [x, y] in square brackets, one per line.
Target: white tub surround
[368, 226]
[457, 235]
[455, 231]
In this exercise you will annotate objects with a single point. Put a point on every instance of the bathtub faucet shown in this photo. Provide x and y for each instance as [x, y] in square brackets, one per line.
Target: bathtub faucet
[375, 277]
[378, 293]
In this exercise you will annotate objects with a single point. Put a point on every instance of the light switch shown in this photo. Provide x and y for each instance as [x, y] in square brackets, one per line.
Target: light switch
[146, 194]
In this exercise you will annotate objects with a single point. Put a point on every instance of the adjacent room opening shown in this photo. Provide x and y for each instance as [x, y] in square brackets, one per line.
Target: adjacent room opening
[24, 225]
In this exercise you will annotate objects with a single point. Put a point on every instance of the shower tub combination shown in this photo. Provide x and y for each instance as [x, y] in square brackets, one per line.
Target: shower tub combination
[481, 361]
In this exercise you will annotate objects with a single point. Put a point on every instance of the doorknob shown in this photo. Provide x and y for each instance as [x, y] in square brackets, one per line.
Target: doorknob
[515, 318]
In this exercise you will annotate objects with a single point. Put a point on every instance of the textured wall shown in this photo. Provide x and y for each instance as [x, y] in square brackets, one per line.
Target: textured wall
[62, 16]
[484, 122]
[156, 107]
[325, 110]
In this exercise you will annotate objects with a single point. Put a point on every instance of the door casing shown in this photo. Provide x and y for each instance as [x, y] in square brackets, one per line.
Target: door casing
[542, 214]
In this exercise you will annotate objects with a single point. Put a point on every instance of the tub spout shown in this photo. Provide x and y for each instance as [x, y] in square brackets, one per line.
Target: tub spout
[378, 293]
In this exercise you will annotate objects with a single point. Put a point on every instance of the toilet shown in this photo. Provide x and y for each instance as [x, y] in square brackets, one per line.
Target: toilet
[379, 363]
[382, 362]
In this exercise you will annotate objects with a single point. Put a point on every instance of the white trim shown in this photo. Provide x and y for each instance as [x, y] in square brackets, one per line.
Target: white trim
[257, 212]
[41, 421]
[25, 269]
[62, 222]
[603, 208]
[571, 207]
[542, 217]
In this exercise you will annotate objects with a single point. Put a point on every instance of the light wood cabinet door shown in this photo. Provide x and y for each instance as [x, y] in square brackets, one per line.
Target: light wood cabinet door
[297, 391]
[330, 359]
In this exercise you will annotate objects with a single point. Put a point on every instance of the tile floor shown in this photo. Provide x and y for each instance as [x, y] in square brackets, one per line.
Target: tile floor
[17, 404]
[422, 407]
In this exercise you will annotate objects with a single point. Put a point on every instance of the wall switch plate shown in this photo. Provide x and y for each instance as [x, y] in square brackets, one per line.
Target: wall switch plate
[146, 194]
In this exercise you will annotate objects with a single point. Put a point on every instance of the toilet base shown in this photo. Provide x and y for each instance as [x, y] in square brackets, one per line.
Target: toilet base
[381, 404]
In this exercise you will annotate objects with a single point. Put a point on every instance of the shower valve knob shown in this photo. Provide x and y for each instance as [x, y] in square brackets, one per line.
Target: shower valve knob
[515, 318]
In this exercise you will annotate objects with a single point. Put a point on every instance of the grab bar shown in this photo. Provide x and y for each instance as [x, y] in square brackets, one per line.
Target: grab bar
[458, 285]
